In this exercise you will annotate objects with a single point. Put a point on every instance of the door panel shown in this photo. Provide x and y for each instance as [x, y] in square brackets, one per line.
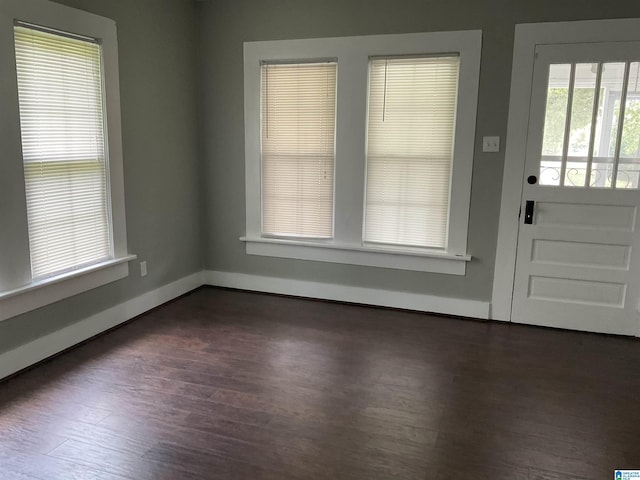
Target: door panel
[583, 292]
[578, 261]
[585, 216]
[580, 254]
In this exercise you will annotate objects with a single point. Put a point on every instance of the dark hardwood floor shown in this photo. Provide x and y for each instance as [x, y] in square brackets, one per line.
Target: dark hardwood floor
[223, 384]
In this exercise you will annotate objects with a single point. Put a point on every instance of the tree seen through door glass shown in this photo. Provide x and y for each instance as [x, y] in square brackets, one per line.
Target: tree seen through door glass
[629, 166]
[604, 155]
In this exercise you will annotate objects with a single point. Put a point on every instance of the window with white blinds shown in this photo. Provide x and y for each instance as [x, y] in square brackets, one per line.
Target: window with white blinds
[298, 103]
[60, 89]
[399, 111]
[411, 126]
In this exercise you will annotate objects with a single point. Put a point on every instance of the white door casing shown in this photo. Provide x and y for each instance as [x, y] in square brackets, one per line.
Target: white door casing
[575, 261]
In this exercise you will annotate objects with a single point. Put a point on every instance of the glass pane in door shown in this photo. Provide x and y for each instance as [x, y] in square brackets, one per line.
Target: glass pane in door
[604, 149]
[554, 124]
[629, 164]
[579, 140]
[592, 126]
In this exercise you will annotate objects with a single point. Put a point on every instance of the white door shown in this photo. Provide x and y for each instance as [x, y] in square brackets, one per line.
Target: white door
[578, 254]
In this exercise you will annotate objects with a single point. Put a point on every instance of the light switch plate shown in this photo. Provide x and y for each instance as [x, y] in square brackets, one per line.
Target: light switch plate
[490, 144]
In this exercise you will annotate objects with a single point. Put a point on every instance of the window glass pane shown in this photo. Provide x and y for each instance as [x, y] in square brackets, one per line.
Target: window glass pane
[593, 142]
[584, 89]
[412, 106]
[61, 120]
[298, 132]
[554, 124]
[607, 125]
[629, 163]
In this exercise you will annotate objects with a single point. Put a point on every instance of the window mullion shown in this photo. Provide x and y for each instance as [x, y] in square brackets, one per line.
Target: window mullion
[350, 148]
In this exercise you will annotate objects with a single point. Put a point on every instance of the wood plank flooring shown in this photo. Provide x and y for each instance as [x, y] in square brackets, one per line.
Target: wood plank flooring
[222, 384]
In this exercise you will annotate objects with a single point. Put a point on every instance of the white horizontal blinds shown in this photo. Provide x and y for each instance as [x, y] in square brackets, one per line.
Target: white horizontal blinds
[298, 132]
[412, 110]
[63, 144]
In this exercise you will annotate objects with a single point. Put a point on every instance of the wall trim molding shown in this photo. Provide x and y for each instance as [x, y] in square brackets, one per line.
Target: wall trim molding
[344, 293]
[24, 356]
[44, 347]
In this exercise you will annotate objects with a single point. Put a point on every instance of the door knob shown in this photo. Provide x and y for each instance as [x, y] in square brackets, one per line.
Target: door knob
[532, 179]
[528, 212]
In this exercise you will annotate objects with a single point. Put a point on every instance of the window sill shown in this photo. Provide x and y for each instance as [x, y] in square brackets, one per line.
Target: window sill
[43, 292]
[370, 256]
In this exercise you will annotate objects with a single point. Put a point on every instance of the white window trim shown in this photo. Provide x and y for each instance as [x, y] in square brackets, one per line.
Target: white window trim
[43, 292]
[418, 260]
[353, 55]
[527, 37]
[18, 292]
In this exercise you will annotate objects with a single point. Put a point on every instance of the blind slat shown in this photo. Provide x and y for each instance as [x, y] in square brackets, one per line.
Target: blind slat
[63, 145]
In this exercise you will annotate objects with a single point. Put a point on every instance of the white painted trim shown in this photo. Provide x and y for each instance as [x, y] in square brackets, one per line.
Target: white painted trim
[527, 37]
[43, 292]
[345, 293]
[15, 269]
[26, 355]
[42, 348]
[372, 256]
[352, 54]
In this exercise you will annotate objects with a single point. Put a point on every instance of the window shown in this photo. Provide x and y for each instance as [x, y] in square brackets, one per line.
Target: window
[298, 127]
[399, 185]
[61, 121]
[64, 230]
[412, 107]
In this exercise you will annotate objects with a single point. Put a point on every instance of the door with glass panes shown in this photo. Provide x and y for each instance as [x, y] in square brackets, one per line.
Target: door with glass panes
[578, 258]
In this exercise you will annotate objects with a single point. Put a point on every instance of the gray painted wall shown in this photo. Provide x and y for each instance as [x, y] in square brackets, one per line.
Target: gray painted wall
[159, 127]
[184, 150]
[226, 24]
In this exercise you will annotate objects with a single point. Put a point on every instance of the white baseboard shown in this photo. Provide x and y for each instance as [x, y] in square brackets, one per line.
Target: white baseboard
[33, 352]
[26, 355]
[343, 293]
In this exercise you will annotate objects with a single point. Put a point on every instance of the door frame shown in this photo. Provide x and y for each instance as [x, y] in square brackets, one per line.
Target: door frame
[527, 37]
